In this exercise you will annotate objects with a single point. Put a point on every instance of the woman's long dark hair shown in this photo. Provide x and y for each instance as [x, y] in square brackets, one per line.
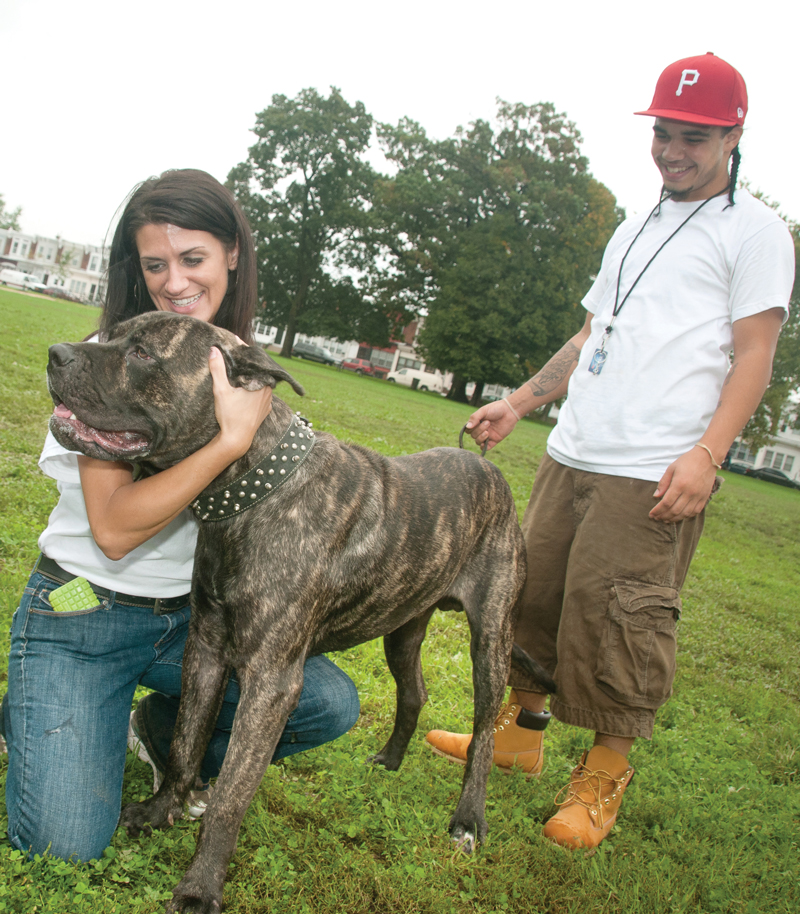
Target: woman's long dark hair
[193, 200]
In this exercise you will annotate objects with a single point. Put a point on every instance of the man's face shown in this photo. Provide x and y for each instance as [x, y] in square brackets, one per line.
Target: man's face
[693, 158]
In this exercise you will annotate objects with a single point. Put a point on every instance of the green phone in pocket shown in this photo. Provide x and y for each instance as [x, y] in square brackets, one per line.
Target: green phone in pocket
[74, 596]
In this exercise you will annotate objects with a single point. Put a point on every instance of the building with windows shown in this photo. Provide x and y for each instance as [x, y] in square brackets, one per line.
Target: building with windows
[77, 268]
[782, 454]
[398, 354]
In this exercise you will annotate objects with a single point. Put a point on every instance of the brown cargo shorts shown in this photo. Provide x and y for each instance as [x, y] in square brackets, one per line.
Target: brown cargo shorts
[602, 597]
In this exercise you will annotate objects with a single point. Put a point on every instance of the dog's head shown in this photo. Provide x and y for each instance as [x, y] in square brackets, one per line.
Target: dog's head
[146, 394]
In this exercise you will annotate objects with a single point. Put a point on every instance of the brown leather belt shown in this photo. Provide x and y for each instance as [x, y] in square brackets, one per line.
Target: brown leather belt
[159, 605]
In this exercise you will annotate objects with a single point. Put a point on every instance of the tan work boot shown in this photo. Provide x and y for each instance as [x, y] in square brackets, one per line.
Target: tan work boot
[590, 800]
[517, 739]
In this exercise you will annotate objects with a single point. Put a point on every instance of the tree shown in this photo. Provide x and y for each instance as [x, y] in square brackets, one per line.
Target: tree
[307, 191]
[9, 219]
[499, 233]
[779, 403]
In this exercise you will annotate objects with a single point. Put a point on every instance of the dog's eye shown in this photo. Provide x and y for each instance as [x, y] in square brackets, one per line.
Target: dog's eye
[139, 353]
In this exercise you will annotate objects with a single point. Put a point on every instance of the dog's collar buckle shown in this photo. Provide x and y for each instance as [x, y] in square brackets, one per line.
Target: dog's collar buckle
[263, 479]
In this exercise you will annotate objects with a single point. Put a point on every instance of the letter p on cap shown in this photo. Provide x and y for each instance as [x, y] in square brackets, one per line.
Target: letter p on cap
[688, 78]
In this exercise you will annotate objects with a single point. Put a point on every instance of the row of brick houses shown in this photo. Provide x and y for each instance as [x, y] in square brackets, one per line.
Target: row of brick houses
[77, 268]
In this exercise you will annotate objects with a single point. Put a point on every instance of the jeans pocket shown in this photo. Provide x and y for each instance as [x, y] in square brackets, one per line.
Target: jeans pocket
[636, 662]
[40, 602]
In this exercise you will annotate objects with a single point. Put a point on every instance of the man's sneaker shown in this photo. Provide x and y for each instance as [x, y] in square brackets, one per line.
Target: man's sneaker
[517, 739]
[589, 803]
[198, 799]
[139, 749]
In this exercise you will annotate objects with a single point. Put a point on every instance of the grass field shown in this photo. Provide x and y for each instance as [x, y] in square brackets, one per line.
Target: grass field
[710, 824]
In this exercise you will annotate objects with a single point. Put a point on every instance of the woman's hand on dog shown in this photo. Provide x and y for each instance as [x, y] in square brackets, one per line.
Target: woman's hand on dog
[239, 412]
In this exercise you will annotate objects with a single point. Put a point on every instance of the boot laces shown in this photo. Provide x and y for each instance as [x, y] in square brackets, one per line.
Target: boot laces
[505, 716]
[594, 790]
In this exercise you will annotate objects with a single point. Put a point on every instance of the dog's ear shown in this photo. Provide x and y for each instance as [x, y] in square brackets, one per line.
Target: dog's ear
[250, 367]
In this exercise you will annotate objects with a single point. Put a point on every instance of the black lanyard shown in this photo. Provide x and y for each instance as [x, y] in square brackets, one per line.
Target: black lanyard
[600, 355]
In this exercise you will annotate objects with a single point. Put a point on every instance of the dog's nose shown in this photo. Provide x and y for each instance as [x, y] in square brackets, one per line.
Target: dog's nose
[61, 354]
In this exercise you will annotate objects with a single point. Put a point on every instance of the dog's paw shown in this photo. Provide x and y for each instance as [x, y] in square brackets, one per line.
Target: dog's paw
[187, 904]
[190, 899]
[463, 839]
[142, 818]
[376, 759]
[388, 760]
[468, 831]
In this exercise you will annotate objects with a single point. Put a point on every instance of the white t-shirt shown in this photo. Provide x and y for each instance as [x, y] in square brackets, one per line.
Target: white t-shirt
[161, 567]
[668, 353]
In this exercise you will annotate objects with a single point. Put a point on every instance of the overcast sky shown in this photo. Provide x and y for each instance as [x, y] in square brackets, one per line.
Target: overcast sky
[98, 95]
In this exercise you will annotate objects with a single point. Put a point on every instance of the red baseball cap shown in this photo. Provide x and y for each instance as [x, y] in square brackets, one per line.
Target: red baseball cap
[700, 90]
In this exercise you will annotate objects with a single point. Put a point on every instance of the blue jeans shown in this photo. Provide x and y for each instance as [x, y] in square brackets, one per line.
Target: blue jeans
[71, 681]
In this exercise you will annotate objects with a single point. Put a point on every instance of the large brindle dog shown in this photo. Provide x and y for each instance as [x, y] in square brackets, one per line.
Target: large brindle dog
[305, 545]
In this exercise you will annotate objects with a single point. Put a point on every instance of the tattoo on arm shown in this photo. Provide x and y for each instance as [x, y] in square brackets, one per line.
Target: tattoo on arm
[728, 378]
[555, 371]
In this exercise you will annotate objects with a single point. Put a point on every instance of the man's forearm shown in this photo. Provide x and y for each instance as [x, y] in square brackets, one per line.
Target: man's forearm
[744, 387]
[754, 340]
[550, 383]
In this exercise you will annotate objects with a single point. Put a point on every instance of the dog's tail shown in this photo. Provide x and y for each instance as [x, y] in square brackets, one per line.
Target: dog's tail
[524, 662]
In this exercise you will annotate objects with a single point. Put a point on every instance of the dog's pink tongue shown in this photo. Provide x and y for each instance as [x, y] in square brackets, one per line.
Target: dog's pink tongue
[122, 442]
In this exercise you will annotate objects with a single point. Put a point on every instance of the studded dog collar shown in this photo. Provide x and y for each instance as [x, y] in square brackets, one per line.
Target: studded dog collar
[263, 479]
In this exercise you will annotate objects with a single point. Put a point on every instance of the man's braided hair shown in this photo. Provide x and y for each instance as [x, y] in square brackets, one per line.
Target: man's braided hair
[736, 158]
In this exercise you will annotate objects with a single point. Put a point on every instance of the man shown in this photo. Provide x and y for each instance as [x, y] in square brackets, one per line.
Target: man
[654, 402]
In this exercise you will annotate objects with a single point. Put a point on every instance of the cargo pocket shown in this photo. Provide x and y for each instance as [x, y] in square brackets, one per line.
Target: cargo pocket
[636, 662]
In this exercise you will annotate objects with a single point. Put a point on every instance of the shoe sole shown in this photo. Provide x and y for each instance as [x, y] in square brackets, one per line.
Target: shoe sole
[500, 768]
[138, 748]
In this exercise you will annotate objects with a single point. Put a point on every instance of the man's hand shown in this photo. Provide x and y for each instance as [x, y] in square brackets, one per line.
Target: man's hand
[685, 487]
[491, 423]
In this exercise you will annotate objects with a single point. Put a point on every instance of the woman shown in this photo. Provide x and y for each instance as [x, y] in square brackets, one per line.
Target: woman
[182, 245]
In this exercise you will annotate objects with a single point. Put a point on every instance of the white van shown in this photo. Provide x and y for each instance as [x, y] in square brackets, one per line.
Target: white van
[20, 280]
[419, 380]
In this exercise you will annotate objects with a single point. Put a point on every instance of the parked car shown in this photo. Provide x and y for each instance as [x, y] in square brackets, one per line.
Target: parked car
[60, 292]
[735, 467]
[364, 366]
[20, 280]
[419, 380]
[772, 475]
[314, 353]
